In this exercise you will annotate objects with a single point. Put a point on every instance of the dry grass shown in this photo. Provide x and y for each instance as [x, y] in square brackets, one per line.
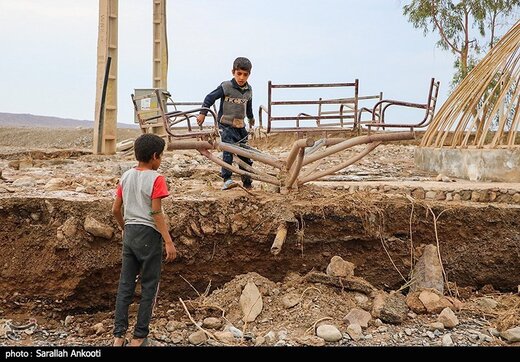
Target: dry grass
[509, 312]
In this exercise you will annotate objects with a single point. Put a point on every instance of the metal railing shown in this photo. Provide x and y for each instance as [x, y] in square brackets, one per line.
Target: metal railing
[377, 112]
[345, 116]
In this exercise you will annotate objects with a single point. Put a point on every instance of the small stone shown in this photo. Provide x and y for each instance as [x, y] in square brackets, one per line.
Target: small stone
[329, 333]
[212, 323]
[436, 326]
[197, 338]
[355, 332]
[358, 316]
[447, 341]
[430, 195]
[339, 267]
[395, 309]
[282, 334]
[97, 228]
[259, 341]
[290, 300]
[176, 337]
[270, 337]
[448, 318]
[237, 333]
[361, 299]
[224, 337]
[174, 325]
[511, 335]
[382, 329]
[487, 303]
[68, 321]
[98, 328]
[378, 303]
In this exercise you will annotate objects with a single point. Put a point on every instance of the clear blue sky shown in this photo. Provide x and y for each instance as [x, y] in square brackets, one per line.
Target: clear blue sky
[48, 61]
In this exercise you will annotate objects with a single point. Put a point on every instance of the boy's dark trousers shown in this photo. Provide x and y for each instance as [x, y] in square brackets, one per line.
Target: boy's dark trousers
[142, 254]
[234, 136]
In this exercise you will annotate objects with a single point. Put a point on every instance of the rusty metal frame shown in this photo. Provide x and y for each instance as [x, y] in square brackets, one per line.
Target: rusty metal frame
[166, 119]
[147, 122]
[287, 170]
[176, 117]
[174, 104]
[301, 164]
[378, 111]
[342, 116]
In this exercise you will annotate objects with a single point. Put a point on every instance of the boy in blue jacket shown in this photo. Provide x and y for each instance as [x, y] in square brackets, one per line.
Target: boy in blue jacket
[236, 102]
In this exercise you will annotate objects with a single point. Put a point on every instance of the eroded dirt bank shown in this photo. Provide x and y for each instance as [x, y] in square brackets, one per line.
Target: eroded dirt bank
[231, 233]
[58, 280]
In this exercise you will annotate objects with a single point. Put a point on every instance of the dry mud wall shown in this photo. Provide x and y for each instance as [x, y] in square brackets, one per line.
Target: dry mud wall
[47, 254]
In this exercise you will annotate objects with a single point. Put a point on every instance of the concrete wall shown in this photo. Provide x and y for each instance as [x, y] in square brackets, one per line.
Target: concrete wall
[472, 164]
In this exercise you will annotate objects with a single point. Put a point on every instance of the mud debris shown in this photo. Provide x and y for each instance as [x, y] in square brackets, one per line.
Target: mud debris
[325, 315]
[55, 204]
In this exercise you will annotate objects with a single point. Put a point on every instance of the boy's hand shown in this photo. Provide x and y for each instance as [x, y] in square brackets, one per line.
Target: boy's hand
[171, 252]
[251, 122]
[200, 119]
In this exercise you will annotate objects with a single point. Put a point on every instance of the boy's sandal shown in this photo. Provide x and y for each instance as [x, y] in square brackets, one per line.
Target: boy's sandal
[146, 343]
[125, 342]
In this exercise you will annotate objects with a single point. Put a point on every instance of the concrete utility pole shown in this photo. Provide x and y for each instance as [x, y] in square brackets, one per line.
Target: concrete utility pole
[105, 122]
[160, 45]
[160, 52]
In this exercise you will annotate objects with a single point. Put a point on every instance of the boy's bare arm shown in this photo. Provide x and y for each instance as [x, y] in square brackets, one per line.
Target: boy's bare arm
[116, 211]
[160, 222]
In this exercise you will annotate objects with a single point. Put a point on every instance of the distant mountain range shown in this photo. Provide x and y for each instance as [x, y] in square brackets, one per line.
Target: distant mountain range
[31, 120]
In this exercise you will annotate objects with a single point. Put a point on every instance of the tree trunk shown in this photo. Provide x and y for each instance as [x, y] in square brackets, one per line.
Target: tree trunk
[464, 61]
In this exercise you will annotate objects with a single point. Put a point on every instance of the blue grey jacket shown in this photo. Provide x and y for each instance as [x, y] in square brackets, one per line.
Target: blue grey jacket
[235, 102]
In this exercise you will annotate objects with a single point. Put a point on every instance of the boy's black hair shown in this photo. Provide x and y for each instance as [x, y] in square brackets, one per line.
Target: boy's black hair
[242, 64]
[146, 145]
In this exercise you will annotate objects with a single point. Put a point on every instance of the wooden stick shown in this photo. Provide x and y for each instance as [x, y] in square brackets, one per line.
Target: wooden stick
[192, 287]
[281, 234]
[209, 334]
